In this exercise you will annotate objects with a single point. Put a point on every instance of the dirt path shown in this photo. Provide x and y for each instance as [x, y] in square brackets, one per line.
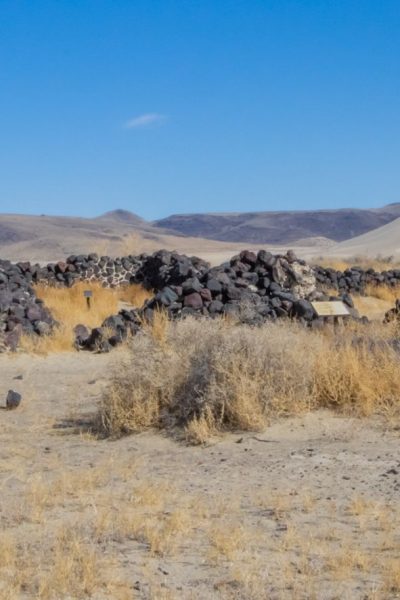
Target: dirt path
[306, 509]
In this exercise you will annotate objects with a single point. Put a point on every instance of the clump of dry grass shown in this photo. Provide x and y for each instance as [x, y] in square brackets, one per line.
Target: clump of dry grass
[210, 376]
[383, 292]
[74, 567]
[200, 428]
[158, 327]
[134, 294]
[361, 376]
[226, 542]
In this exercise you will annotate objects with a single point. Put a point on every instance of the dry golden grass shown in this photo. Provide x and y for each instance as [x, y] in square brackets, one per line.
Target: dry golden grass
[391, 570]
[68, 307]
[227, 542]
[379, 263]
[66, 561]
[372, 307]
[134, 294]
[357, 378]
[74, 567]
[212, 376]
[383, 292]
[201, 428]
[90, 531]
[70, 568]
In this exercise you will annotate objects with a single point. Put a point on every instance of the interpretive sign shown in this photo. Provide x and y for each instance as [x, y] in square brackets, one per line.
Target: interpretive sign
[331, 309]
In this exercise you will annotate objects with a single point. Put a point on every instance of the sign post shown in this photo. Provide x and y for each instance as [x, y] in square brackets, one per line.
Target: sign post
[88, 295]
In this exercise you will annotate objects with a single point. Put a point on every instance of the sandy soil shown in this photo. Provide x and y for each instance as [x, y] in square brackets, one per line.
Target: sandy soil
[383, 241]
[306, 509]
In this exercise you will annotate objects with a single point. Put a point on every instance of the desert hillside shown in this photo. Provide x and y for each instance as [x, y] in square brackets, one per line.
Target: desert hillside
[50, 238]
[118, 233]
[281, 227]
[214, 237]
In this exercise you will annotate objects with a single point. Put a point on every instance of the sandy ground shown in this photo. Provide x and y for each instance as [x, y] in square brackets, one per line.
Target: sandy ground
[306, 509]
[383, 241]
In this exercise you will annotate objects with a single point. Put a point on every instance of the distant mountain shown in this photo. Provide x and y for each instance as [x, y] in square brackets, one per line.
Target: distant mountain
[118, 233]
[212, 236]
[44, 237]
[122, 216]
[281, 227]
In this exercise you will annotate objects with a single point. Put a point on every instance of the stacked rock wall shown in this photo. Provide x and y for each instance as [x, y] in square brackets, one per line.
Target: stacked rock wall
[251, 287]
[108, 271]
[355, 279]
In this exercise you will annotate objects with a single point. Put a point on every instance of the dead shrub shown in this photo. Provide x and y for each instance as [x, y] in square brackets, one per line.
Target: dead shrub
[210, 376]
[141, 389]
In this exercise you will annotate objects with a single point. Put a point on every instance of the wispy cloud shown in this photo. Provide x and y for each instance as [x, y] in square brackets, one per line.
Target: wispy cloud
[144, 120]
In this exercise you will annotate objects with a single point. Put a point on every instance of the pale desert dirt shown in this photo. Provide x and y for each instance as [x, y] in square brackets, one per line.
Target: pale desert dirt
[383, 241]
[306, 509]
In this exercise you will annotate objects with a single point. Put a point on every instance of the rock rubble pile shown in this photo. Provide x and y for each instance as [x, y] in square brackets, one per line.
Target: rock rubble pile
[20, 310]
[113, 331]
[251, 288]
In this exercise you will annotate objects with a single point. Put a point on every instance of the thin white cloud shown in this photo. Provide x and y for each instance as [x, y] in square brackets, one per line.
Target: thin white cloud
[144, 120]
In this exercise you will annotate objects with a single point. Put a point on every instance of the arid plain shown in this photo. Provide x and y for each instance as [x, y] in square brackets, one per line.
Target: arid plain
[281, 483]
[305, 508]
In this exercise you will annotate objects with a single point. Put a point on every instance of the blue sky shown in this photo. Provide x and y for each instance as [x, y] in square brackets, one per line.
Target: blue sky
[164, 107]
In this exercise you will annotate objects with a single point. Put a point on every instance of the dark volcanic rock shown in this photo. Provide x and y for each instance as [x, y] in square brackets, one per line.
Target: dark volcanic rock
[193, 301]
[13, 399]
